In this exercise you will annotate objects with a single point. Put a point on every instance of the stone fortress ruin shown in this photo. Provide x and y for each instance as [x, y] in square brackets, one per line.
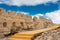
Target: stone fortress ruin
[11, 22]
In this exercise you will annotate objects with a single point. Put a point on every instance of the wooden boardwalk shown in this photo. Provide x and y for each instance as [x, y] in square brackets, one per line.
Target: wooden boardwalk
[29, 35]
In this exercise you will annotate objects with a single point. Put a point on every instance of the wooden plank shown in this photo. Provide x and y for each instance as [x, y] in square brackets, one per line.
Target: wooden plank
[41, 30]
[28, 35]
[19, 39]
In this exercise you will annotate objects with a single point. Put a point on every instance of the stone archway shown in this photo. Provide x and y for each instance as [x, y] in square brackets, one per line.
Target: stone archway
[21, 23]
[4, 24]
[14, 23]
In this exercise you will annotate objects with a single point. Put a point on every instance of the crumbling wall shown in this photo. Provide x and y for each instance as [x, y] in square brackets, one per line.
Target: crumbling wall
[16, 22]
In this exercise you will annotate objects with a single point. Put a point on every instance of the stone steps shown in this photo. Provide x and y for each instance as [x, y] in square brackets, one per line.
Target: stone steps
[29, 35]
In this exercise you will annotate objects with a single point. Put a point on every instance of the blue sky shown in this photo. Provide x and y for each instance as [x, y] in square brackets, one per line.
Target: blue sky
[32, 10]
[37, 8]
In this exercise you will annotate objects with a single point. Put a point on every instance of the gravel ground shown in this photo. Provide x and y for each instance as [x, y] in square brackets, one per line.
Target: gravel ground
[3, 38]
[49, 35]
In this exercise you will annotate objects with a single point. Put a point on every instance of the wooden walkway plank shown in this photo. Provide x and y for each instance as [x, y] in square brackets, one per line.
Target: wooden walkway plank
[28, 35]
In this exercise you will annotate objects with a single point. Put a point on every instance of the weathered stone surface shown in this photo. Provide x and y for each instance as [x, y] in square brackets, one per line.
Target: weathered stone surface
[49, 35]
[16, 22]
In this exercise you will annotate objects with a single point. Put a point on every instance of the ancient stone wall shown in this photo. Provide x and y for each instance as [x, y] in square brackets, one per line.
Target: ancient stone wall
[18, 21]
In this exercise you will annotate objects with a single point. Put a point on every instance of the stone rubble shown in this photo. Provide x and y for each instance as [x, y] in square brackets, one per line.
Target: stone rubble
[49, 35]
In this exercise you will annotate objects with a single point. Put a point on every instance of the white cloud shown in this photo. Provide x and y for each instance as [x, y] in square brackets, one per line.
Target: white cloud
[54, 16]
[37, 15]
[26, 2]
[24, 13]
[0, 2]
[27, 13]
